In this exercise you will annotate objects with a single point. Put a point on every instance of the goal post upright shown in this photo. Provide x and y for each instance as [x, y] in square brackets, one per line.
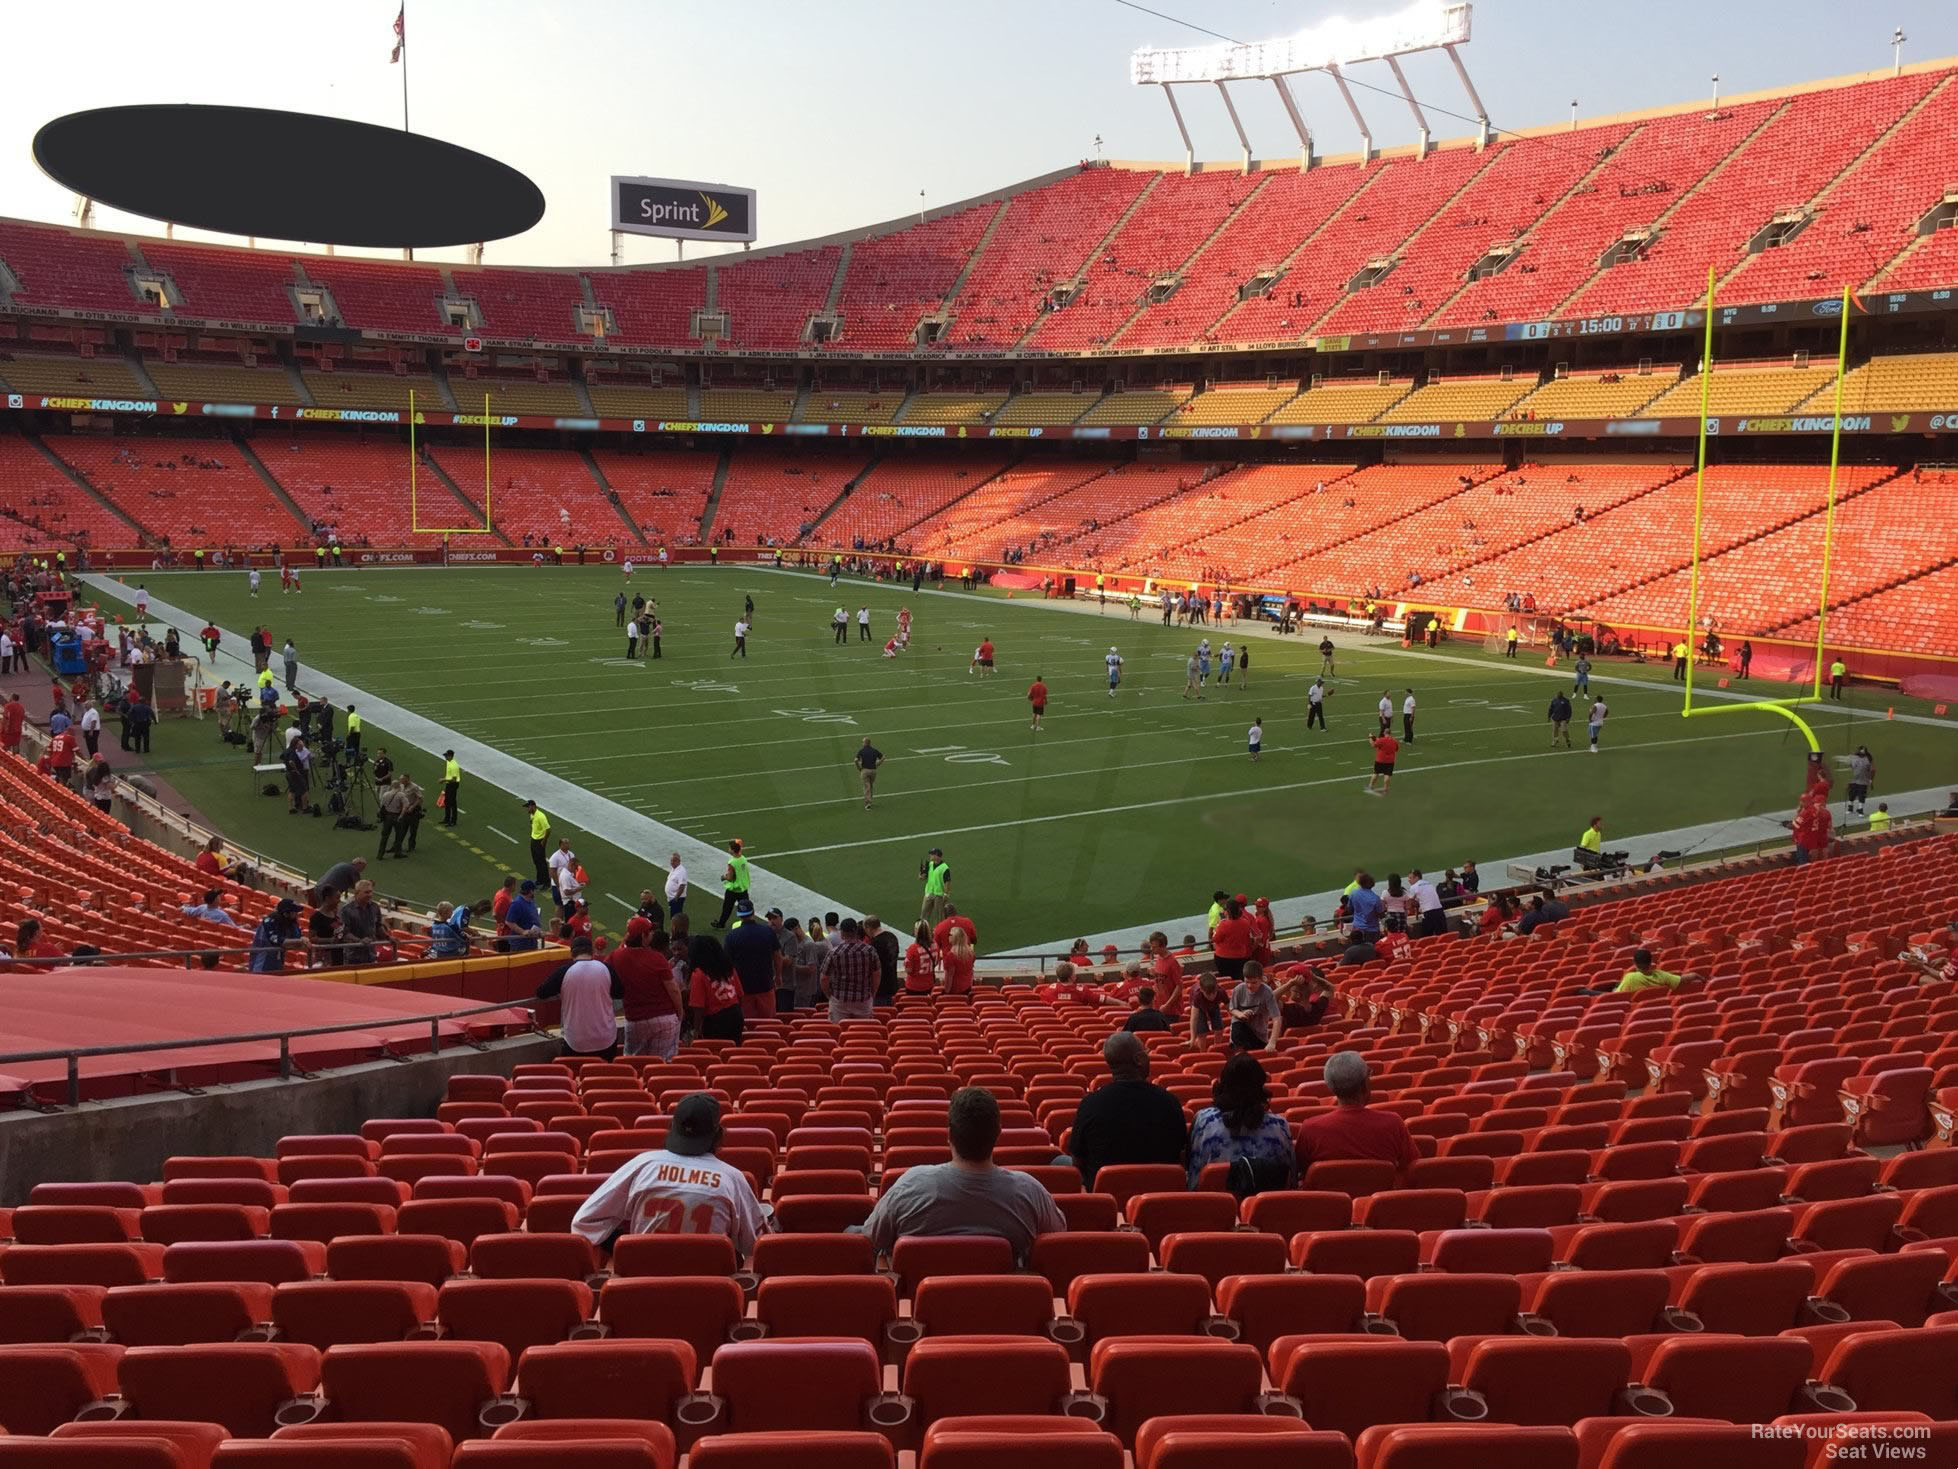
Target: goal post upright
[1782, 708]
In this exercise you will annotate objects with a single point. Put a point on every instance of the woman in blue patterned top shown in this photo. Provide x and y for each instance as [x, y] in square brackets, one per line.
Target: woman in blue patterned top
[1241, 1124]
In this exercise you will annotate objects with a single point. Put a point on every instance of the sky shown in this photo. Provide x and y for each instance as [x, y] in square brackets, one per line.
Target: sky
[840, 114]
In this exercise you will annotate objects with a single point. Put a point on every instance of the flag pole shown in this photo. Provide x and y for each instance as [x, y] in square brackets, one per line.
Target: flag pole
[402, 20]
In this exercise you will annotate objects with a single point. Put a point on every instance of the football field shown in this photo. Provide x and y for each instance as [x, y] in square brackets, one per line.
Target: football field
[1122, 811]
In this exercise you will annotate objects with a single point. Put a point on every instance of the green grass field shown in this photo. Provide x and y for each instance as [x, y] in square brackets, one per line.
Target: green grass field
[1122, 811]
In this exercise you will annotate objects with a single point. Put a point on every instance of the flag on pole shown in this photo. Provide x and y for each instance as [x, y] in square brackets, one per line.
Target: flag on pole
[400, 32]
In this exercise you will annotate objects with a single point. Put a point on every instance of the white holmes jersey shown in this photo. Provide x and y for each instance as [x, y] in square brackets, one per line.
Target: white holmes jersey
[664, 1193]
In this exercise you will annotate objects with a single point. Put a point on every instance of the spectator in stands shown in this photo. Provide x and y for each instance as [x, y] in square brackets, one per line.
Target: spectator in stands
[275, 930]
[680, 1188]
[29, 944]
[1645, 975]
[811, 948]
[849, 976]
[1303, 999]
[210, 909]
[1240, 1128]
[1365, 906]
[889, 952]
[1206, 1004]
[756, 957]
[1127, 1119]
[969, 1195]
[1353, 1130]
[921, 962]
[956, 962]
[1935, 960]
[1256, 1023]
[448, 933]
[13, 719]
[713, 990]
[1145, 1017]
[1813, 826]
[586, 991]
[363, 927]
[941, 932]
[339, 878]
[1424, 904]
[520, 919]
[652, 996]
[60, 754]
[323, 947]
[98, 784]
[1232, 940]
[211, 860]
[1166, 975]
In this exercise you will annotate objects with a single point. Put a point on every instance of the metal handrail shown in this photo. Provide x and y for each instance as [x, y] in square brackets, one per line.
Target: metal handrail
[73, 1055]
[97, 961]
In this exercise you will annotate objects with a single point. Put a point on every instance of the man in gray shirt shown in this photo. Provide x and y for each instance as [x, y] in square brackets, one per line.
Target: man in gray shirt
[969, 1195]
[1255, 1016]
[1862, 775]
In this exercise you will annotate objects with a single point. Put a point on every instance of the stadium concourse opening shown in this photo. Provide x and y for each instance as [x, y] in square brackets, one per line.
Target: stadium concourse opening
[1085, 790]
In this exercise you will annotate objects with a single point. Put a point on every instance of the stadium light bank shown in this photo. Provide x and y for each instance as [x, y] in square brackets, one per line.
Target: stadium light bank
[1328, 47]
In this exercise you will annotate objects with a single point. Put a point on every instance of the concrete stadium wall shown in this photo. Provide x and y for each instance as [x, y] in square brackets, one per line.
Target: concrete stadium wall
[130, 1138]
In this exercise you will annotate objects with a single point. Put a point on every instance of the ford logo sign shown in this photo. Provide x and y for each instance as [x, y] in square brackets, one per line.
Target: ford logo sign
[1830, 307]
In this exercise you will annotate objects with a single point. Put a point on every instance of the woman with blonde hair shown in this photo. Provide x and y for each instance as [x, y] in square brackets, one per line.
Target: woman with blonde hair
[958, 960]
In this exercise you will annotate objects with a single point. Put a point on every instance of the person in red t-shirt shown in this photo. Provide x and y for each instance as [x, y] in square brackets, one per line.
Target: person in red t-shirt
[1264, 928]
[942, 934]
[61, 757]
[920, 967]
[982, 658]
[500, 908]
[652, 996]
[1037, 696]
[1385, 748]
[1812, 826]
[1393, 942]
[1232, 941]
[956, 957]
[1066, 989]
[1166, 975]
[1352, 1130]
[210, 861]
[13, 719]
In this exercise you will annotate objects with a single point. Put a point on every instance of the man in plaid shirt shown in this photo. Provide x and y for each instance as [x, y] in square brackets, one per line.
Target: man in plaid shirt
[849, 975]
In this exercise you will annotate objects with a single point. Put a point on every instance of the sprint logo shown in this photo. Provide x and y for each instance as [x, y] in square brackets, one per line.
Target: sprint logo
[715, 214]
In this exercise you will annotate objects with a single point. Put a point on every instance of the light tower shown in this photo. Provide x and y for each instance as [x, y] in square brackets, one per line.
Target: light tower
[1328, 47]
